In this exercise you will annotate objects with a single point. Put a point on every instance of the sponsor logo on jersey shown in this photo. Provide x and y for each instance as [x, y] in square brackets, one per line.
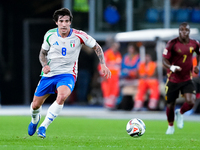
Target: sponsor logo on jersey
[56, 43]
[72, 43]
[165, 51]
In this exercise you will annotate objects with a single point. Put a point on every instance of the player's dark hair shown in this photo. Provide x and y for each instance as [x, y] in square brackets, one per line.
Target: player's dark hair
[183, 24]
[62, 12]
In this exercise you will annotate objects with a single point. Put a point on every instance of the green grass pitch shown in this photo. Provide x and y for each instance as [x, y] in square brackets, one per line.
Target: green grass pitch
[71, 133]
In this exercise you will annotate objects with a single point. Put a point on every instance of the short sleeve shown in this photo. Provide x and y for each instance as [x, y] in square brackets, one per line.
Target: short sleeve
[46, 44]
[85, 38]
[90, 42]
[168, 49]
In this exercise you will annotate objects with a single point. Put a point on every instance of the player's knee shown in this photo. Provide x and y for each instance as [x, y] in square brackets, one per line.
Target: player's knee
[171, 105]
[191, 101]
[35, 105]
[61, 98]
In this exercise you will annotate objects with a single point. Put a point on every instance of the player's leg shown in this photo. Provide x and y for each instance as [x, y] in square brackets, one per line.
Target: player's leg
[42, 92]
[172, 93]
[188, 90]
[189, 102]
[187, 105]
[64, 87]
[35, 109]
[54, 110]
[170, 117]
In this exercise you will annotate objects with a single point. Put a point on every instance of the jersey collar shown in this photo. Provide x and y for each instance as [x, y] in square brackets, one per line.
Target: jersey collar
[70, 33]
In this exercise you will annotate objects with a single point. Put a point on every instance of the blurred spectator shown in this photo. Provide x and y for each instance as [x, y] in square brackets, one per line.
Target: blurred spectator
[110, 87]
[147, 82]
[130, 63]
[129, 76]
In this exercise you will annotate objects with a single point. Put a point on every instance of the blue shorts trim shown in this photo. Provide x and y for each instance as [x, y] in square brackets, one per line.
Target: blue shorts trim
[49, 85]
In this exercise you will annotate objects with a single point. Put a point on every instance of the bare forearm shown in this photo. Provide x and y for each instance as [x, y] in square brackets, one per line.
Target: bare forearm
[98, 50]
[42, 57]
[166, 63]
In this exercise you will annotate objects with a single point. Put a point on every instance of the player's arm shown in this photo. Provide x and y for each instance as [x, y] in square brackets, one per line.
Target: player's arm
[167, 54]
[98, 50]
[43, 57]
[43, 61]
[168, 65]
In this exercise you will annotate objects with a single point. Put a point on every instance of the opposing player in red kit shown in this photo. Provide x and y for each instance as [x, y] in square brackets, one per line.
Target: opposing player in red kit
[177, 58]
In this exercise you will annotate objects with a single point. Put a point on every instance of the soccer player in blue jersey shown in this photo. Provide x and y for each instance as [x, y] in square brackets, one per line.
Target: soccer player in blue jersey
[59, 59]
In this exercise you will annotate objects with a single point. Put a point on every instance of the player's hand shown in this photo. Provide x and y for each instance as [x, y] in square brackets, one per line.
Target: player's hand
[106, 72]
[46, 69]
[196, 69]
[174, 68]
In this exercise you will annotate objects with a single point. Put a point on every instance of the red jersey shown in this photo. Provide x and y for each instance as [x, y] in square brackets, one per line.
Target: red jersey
[180, 54]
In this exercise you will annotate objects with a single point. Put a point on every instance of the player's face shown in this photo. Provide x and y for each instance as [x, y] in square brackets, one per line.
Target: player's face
[184, 31]
[63, 24]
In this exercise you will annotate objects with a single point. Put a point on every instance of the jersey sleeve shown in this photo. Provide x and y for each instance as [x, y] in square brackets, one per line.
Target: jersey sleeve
[46, 44]
[168, 50]
[90, 42]
[85, 38]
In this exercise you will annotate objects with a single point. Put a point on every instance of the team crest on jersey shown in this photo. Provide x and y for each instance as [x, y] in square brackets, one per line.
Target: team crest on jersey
[191, 49]
[72, 43]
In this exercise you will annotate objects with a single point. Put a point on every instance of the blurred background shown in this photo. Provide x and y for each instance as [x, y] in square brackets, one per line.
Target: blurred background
[24, 23]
